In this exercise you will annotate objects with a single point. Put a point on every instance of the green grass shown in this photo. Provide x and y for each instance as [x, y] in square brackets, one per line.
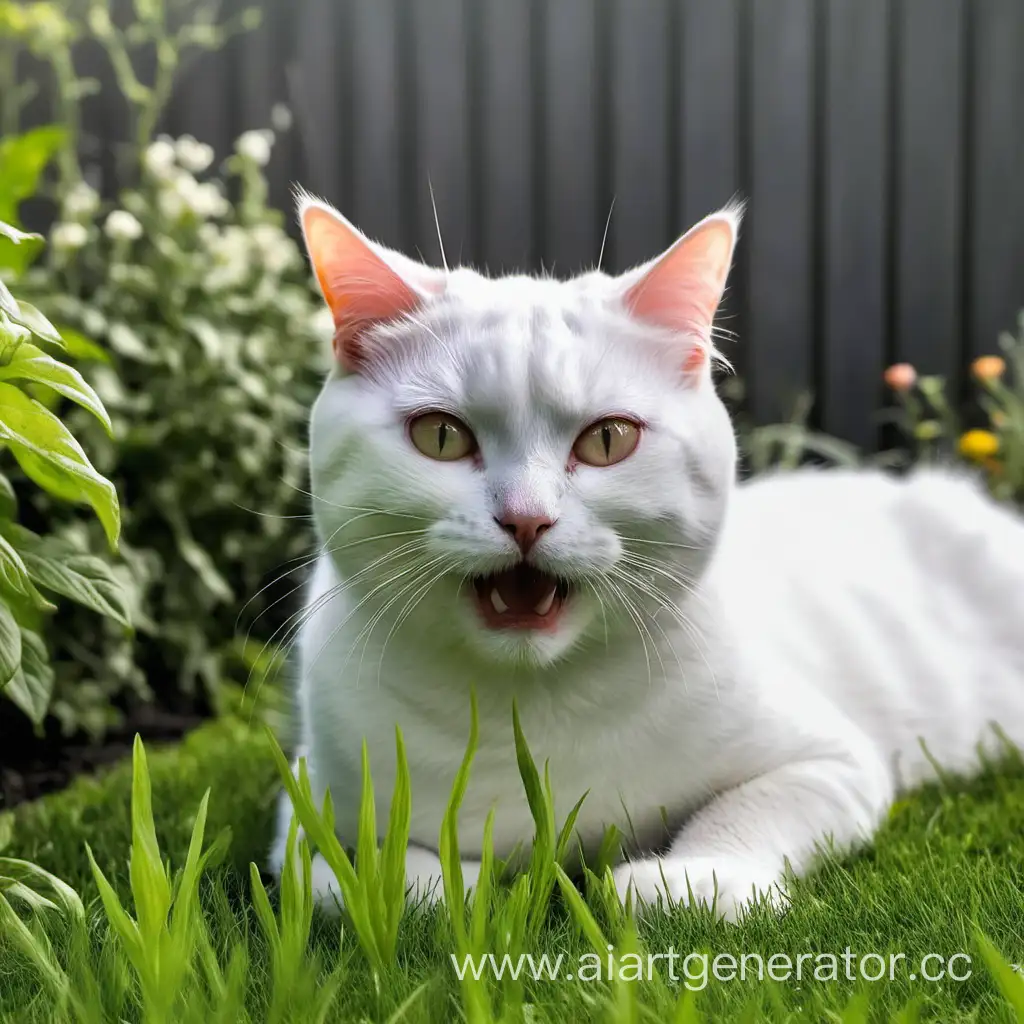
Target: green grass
[204, 941]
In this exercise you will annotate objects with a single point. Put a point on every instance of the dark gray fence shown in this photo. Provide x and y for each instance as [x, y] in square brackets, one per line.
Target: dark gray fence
[880, 143]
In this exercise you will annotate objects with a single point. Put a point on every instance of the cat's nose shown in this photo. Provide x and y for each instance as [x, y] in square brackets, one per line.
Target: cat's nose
[524, 530]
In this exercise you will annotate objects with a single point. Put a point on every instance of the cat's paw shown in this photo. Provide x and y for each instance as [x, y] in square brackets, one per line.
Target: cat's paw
[733, 879]
[424, 885]
[326, 891]
[423, 876]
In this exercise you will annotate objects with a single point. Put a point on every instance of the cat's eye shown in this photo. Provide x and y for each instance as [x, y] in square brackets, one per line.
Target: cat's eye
[438, 435]
[606, 442]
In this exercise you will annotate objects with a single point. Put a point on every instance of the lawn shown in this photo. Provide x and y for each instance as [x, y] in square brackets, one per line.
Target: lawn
[949, 861]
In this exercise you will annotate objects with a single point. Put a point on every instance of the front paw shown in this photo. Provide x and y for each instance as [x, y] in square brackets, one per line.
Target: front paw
[424, 884]
[729, 883]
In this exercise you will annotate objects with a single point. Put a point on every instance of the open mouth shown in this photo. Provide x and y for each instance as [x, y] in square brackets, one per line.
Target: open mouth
[520, 598]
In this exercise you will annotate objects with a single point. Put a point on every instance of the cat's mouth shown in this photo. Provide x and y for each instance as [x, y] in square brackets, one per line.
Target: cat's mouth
[523, 597]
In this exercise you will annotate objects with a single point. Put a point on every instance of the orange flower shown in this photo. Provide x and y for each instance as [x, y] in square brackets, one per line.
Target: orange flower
[900, 377]
[987, 368]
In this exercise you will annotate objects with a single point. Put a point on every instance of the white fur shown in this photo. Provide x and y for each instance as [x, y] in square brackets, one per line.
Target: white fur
[782, 657]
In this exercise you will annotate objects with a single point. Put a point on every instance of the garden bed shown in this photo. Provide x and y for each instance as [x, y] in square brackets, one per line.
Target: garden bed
[35, 765]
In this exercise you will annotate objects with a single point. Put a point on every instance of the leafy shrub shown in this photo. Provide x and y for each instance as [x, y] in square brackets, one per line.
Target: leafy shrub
[202, 334]
[48, 454]
[212, 331]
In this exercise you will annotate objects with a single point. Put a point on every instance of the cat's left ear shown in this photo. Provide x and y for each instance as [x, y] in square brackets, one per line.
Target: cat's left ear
[682, 288]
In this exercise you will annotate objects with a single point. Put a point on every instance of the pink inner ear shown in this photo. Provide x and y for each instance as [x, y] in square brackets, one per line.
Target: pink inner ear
[683, 289]
[359, 287]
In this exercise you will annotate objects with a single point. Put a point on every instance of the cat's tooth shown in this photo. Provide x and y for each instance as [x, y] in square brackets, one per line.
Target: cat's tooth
[544, 606]
[499, 606]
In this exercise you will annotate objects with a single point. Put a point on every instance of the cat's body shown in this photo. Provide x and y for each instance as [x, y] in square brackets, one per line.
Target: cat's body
[731, 675]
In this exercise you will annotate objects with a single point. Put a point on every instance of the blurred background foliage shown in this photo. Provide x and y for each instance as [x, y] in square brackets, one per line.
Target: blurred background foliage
[187, 305]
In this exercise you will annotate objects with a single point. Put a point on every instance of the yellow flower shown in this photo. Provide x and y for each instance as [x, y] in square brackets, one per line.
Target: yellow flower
[987, 368]
[900, 377]
[978, 444]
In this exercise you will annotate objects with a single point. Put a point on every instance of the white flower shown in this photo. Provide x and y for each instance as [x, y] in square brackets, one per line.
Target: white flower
[193, 155]
[122, 224]
[322, 322]
[255, 146]
[171, 205]
[204, 200]
[159, 159]
[68, 236]
[231, 252]
[276, 248]
[81, 201]
[280, 117]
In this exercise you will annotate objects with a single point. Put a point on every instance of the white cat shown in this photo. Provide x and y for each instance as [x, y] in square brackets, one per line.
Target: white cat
[526, 487]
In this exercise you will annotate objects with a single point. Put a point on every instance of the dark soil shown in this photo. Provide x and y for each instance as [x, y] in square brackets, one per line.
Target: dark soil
[31, 765]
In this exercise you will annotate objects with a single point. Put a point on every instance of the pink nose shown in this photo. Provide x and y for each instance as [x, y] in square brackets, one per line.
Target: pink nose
[524, 530]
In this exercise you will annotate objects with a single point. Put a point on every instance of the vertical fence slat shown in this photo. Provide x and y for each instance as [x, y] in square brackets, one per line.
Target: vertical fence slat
[641, 132]
[316, 85]
[442, 120]
[201, 101]
[260, 68]
[506, 126]
[928, 196]
[855, 165]
[779, 335]
[376, 181]
[570, 135]
[996, 226]
[709, 107]
[709, 131]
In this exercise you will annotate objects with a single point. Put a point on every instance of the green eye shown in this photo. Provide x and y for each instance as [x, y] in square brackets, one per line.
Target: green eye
[442, 437]
[606, 442]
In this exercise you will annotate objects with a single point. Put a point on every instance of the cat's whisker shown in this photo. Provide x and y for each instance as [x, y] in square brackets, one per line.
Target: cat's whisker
[661, 543]
[685, 583]
[407, 610]
[294, 623]
[361, 508]
[309, 560]
[413, 570]
[437, 224]
[621, 598]
[416, 577]
[699, 641]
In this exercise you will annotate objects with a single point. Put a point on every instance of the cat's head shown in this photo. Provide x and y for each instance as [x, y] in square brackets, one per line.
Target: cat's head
[519, 465]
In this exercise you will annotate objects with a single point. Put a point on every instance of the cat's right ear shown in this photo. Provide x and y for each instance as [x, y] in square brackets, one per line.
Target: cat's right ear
[363, 283]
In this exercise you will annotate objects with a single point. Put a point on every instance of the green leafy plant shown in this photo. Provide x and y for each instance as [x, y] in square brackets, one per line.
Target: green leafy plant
[195, 320]
[49, 455]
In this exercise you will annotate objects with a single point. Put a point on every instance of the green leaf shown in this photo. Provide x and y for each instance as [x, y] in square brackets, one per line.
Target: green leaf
[32, 685]
[30, 317]
[48, 452]
[8, 499]
[23, 158]
[84, 578]
[1010, 983]
[8, 303]
[10, 645]
[14, 576]
[12, 335]
[32, 363]
[78, 346]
